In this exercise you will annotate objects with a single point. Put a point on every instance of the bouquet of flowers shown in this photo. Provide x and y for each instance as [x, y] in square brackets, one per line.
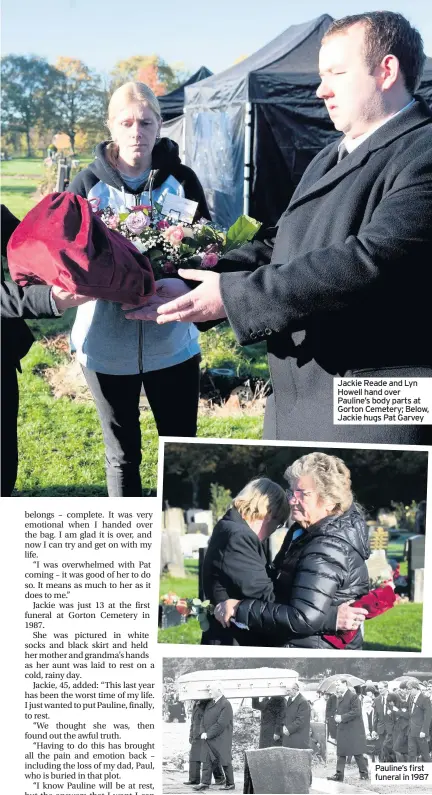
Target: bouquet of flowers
[190, 608]
[377, 601]
[172, 245]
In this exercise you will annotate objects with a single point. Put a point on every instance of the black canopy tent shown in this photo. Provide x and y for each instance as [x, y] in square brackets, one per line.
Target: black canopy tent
[172, 104]
[258, 119]
[252, 130]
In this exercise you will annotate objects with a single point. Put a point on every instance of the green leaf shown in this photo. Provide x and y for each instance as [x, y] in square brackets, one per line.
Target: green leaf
[123, 216]
[155, 255]
[240, 232]
[196, 602]
[204, 624]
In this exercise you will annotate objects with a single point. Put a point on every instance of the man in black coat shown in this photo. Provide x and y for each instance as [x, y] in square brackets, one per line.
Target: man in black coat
[196, 749]
[272, 710]
[351, 735]
[17, 304]
[384, 723]
[337, 288]
[296, 723]
[217, 732]
[420, 716]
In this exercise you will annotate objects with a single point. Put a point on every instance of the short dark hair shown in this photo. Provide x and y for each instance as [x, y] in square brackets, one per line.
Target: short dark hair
[388, 33]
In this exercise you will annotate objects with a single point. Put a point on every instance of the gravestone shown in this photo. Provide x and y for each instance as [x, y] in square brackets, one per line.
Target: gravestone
[171, 553]
[173, 519]
[416, 560]
[379, 538]
[378, 566]
[418, 585]
[278, 770]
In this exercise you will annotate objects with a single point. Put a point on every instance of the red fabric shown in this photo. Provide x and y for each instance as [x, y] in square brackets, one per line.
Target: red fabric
[62, 242]
[375, 602]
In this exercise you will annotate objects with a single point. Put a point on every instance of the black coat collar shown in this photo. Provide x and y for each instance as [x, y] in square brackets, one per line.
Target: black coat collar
[327, 171]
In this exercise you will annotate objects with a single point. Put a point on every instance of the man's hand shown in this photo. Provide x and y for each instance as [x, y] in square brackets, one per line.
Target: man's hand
[422, 735]
[166, 290]
[338, 718]
[349, 617]
[203, 303]
[204, 736]
[276, 737]
[224, 611]
[64, 300]
[285, 731]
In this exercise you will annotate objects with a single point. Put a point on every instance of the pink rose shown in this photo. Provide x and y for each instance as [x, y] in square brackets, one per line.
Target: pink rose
[174, 235]
[162, 225]
[136, 222]
[168, 267]
[209, 260]
[112, 221]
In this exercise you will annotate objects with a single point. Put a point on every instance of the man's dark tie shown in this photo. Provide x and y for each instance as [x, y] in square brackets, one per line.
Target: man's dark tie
[342, 152]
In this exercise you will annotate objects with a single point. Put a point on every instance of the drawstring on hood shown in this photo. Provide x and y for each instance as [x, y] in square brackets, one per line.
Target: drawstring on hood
[165, 161]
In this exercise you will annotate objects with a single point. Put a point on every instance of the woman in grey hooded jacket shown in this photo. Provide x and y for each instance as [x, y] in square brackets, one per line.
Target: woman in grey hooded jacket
[120, 356]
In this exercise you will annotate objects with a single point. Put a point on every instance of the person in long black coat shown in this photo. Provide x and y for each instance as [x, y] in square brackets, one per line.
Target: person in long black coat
[420, 716]
[272, 710]
[331, 286]
[217, 733]
[235, 563]
[351, 735]
[400, 711]
[331, 704]
[296, 722]
[384, 721]
[17, 305]
[196, 749]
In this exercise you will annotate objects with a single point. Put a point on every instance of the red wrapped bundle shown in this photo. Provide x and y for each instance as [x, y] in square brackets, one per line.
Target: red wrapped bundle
[62, 242]
[375, 602]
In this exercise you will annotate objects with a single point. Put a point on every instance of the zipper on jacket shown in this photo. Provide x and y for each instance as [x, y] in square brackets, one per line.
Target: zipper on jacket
[140, 327]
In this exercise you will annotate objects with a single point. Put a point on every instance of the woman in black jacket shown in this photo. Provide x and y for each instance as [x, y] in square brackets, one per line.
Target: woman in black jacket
[235, 564]
[320, 565]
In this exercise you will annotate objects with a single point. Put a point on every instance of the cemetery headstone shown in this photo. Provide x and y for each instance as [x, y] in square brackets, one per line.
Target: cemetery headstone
[276, 770]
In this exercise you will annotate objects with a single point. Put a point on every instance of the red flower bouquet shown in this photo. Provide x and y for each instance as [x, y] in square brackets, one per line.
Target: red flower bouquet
[375, 602]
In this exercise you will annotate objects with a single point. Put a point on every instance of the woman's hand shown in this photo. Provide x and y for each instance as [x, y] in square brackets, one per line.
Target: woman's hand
[64, 300]
[166, 290]
[349, 617]
[224, 611]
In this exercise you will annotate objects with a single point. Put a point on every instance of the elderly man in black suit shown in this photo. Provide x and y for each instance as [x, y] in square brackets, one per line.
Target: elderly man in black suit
[217, 732]
[196, 747]
[272, 710]
[420, 715]
[296, 723]
[383, 723]
[351, 736]
[331, 287]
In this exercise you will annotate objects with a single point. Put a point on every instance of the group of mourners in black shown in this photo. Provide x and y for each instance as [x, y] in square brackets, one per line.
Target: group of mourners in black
[362, 721]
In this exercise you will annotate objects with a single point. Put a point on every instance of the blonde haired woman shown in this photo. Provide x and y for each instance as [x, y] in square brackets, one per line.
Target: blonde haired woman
[119, 356]
[235, 561]
[320, 567]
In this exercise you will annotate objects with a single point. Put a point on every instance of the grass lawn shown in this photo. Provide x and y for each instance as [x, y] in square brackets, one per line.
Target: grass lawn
[60, 441]
[19, 179]
[400, 629]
